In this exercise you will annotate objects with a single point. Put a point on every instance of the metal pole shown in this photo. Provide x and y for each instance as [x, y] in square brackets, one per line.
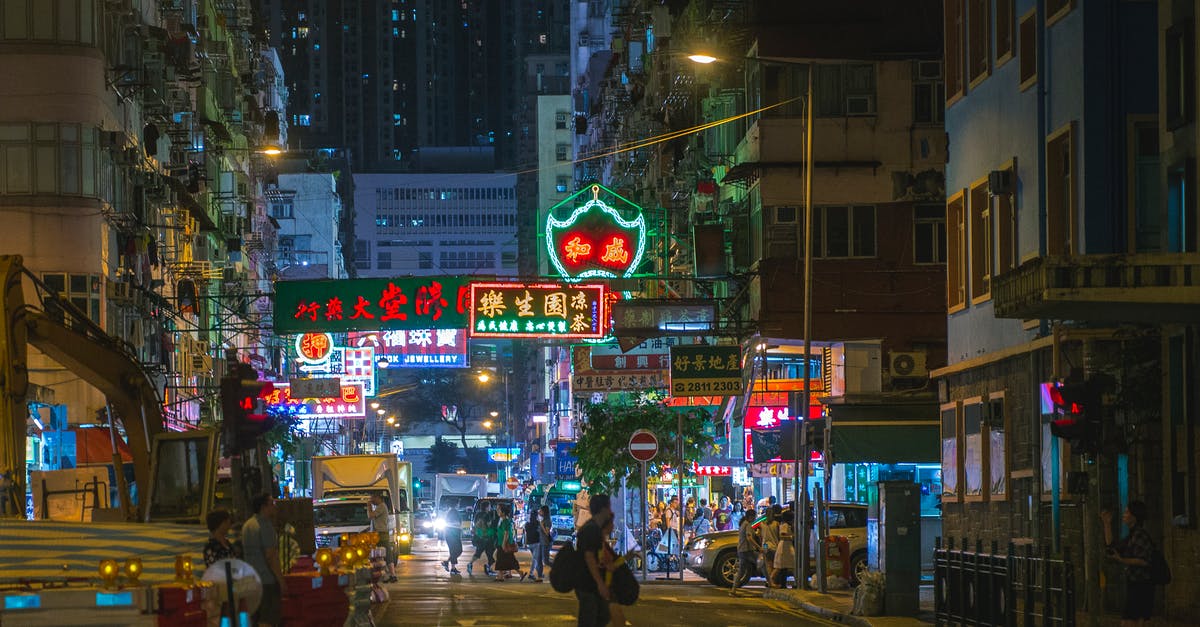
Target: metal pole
[645, 520]
[802, 417]
[682, 507]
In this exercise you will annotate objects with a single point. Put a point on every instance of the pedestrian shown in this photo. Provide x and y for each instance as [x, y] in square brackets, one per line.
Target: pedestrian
[1134, 551]
[723, 515]
[483, 539]
[608, 558]
[380, 518]
[703, 522]
[748, 548]
[785, 553]
[590, 589]
[453, 536]
[748, 499]
[769, 529]
[736, 516]
[219, 521]
[546, 537]
[506, 543]
[533, 540]
[260, 545]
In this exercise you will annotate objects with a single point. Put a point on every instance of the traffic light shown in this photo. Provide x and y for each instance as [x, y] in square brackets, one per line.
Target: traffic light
[1077, 414]
[244, 402]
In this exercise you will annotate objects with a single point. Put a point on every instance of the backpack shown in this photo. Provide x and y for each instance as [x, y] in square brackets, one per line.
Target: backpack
[566, 568]
[1160, 571]
[532, 532]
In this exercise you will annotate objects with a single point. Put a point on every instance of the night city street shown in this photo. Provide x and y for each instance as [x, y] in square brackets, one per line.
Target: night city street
[886, 310]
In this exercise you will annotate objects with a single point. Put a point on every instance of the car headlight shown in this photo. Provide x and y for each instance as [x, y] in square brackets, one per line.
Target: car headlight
[700, 543]
[427, 524]
[439, 524]
[404, 537]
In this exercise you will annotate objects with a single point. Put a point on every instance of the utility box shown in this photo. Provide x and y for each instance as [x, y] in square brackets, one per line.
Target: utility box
[894, 545]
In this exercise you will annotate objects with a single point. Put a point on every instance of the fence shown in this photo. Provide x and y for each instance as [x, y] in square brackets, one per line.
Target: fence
[1013, 589]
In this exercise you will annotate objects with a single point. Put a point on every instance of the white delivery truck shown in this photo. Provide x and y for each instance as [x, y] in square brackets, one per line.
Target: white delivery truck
[458, 492]
[342, 487]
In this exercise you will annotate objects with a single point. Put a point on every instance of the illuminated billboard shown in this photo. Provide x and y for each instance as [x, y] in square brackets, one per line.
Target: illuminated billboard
[332, 306]
[595, 240]
[538, 310]
[351, 404]
[416, 348]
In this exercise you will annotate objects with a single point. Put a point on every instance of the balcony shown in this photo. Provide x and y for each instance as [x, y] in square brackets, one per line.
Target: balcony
[1103, 288]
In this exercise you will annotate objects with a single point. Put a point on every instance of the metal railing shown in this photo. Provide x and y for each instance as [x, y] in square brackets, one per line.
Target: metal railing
[1008, 589]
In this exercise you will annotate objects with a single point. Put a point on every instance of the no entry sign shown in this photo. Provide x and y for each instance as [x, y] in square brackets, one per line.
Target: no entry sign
[512, 483]
[643, 445]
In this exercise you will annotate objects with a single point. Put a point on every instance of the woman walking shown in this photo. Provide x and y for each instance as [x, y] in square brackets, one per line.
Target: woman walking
[453, 535]
[533, 541]
[506, 544]
[785, 552]
[546, 537]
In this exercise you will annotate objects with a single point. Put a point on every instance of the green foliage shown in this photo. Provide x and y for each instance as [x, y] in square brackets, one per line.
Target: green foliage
[284, 435]
[604, 439]
[443, 456]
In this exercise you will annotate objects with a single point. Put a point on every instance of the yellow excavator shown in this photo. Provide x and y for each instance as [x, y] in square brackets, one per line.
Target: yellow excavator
[66, 335]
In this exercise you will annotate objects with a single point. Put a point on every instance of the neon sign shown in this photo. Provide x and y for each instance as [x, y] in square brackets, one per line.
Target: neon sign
[331, 306]
[595, 241]
[314, 348]
[538, 310]
[351, 404]
[417, 348]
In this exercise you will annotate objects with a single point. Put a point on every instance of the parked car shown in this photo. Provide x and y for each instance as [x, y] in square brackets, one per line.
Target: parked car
[714, 555]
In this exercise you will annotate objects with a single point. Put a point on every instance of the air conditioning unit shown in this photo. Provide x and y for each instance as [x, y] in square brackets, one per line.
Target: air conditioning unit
[908, 365]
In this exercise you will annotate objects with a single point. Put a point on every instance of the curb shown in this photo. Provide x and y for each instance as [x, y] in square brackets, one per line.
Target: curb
[823, 612]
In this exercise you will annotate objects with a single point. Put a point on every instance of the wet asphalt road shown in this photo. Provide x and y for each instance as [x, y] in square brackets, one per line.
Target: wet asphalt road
[426, 595]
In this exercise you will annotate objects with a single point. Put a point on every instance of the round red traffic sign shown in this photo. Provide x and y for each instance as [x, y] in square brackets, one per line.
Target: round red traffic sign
[512, 483]
[643, 445]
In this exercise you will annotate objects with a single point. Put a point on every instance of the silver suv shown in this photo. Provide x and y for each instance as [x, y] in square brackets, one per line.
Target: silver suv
[714, 555]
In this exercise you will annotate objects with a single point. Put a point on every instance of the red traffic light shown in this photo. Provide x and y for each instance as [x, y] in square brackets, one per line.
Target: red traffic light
[1068, 397]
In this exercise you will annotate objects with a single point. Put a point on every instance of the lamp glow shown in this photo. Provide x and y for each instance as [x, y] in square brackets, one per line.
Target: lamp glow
[702, 59]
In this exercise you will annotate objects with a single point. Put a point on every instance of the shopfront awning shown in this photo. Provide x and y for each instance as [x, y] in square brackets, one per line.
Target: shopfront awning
[885, 432]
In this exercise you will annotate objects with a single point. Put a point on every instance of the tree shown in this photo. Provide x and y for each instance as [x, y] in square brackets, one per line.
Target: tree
[443, 456]
[602, 448]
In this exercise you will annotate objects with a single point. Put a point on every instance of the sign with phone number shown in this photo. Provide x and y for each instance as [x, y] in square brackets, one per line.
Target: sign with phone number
[706, 370]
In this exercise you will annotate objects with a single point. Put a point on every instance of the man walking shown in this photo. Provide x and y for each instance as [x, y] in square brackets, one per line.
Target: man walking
[748, 548]
[453, 535]
[590, 589]
[260, 547]
[380, 517]
[546, 535]
[483, 538]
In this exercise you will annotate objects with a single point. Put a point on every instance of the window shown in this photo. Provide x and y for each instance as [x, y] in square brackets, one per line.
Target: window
[1145, 223]
[979, 40]
[929, 234]
[785, 215]
[997, 450]
[1006, 223]
[844, 231]
[1056, 9]
[972, 445]
[383, 260]
[425, 261]
[954, 49]
[82, 290]
[561, 152]
[928, 97]
[981, 241]
[1181, 208]
[1027, 40]
[560, 120]
[956, 246]
[562, 184]
[1180, 74]
[1004, 30]
[1060, 193]
[51, 158]
[73, 21]
[840, 89]
[950, 474]
[282, 209]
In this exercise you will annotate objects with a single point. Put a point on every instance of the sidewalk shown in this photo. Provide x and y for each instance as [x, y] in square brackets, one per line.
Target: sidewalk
[836, 605]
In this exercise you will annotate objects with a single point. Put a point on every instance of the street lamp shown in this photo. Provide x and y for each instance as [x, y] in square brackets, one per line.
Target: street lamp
[800, 466]
[485, 377]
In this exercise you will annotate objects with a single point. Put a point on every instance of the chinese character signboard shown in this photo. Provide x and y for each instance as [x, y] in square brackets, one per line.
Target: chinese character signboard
[595, 240]
[314, 348]
[417, 348]
[370, 304]
[351, 404]
[618, 381]
[538, 310]
[706, 370]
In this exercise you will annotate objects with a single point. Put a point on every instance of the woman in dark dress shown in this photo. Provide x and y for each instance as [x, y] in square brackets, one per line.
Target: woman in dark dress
[219, 547]
[506, 545]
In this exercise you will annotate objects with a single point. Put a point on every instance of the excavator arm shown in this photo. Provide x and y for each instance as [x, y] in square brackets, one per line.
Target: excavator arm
[70, 338]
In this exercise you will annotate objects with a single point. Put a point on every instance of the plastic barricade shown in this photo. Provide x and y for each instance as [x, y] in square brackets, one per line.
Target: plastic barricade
[837, 556]
[316, 601]
[183, 605]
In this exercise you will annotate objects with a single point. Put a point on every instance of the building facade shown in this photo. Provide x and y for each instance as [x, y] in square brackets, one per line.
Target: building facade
[308, 210]
[1069, 243]
[435, 224]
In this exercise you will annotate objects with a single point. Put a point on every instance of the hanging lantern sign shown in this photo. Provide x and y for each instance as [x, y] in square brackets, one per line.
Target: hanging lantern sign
[596, 240]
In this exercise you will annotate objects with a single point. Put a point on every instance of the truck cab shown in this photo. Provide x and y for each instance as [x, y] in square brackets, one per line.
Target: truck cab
[342, 488]
[334, 516]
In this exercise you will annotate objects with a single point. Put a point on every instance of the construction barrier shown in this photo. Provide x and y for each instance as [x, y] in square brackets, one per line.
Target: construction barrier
[837, 557]
[316, 600]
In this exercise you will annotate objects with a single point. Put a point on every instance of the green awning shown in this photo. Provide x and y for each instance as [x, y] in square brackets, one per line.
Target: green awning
[886, 444]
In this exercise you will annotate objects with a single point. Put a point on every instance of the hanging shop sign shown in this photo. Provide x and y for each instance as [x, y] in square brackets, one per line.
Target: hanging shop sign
[503, 455]
[596, 240]
[334, 306]
[314, 348]
[712, 471]
[351, 403]
[351, 365]
[416, 348]
[617, 381]
[706, 370]
[538, 310]
[564, 456]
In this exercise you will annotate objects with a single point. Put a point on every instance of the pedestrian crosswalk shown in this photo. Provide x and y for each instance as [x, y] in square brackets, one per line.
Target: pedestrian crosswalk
[54, 550]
